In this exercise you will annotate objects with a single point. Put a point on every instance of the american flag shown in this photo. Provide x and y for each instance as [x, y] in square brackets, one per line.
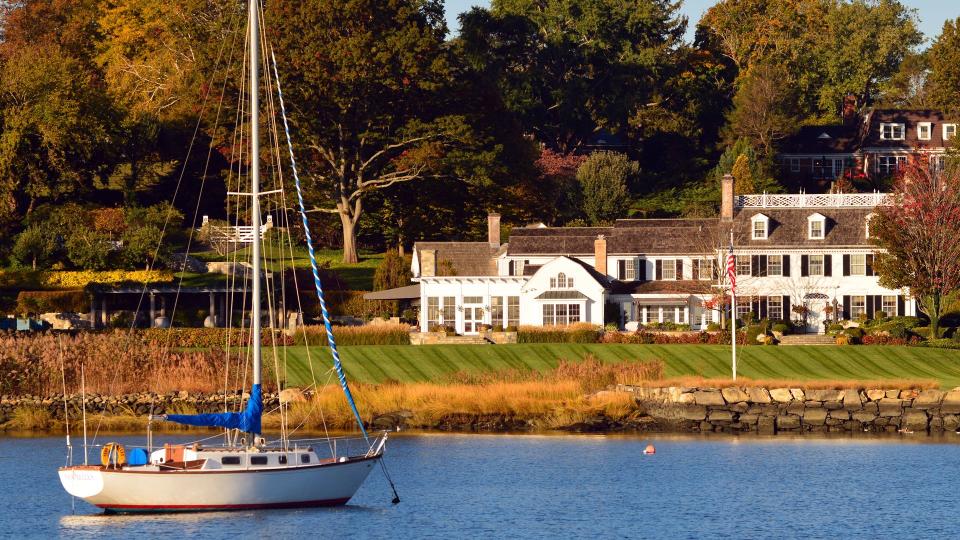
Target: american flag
[732, 270]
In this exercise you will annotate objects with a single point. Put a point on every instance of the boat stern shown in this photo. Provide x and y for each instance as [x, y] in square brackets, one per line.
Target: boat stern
[83, 482]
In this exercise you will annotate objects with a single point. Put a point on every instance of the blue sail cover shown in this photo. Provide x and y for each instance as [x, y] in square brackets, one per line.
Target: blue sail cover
[247, 421]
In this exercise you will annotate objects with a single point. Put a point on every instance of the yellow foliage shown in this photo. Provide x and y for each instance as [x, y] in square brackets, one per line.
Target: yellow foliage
[80, 278]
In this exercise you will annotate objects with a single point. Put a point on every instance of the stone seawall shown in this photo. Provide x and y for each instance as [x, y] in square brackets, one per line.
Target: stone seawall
[795, 410]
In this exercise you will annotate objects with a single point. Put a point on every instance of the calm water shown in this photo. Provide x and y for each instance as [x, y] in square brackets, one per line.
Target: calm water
[457, 486]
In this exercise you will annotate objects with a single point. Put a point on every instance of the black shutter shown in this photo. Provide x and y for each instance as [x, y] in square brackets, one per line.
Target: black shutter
[641, 269]
[846, 307]
[511, 269]
[786, 307]
[870, 264]
[804, 265]
[679, 275]
[755, 265]
[763, 266]
[900, 307]
[621, 269]
[659, 270]
[846, 264]
[695, 269]
[763, 307]
[870, 305]
[786, 266]
[828, 265]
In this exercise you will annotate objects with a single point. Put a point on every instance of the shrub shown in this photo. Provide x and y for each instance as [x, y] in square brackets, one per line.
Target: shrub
[392, 272]
[75, 301]
[835, 328]
[575, 333]
[782, 328]
[856, 333]
[34, 247]
[941, 344]
[351, 303]
[713, 327]
[752, 332]
[88, 249]
[898, 331]
[377, 334]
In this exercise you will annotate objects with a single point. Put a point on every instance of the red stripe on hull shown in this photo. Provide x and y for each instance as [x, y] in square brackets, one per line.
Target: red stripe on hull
[218, 507]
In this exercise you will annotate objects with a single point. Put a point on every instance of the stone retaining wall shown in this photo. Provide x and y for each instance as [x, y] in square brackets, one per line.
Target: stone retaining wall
[795, 410]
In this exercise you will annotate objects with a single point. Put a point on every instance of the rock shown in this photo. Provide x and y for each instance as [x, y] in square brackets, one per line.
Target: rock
[749, 419]
[738, 408]
[708, 397]
[908, 394]
[766, 425]
[851, 398]
[890, 407]
[928, 399]
[864, 416]
[693, 412]
[832, 405]
[936, 424]
[788, 422]
[758, 395]
[876, 395]
[914, 420]
[783, 395]
[951, 422]
[893, 394]
[795, 408]
[797, 393]
[720, 416]
[292, 395]
[815, 417]
[733, 394]
[824, 395]
[951, 402]
[840, 414]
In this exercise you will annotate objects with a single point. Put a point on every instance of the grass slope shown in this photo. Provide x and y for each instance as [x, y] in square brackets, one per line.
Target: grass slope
[374, 364]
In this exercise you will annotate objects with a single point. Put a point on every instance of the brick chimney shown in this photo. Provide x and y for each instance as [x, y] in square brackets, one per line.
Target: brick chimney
[849, 113]
[600, 254]
[493, 230]
[726, 198]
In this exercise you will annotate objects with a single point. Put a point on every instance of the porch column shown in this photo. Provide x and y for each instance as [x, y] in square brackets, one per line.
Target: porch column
[163, 306]
[104, 318]
[213, 309]
[153, 310]
[93, 312]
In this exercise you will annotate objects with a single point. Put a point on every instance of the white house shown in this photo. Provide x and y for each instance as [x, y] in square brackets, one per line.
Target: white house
[791, 250]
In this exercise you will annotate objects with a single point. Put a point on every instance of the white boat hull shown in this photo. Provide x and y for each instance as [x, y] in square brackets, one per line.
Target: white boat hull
[131, 490]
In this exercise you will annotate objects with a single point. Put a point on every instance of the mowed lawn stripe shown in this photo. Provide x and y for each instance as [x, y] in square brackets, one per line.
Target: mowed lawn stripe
[374, 364]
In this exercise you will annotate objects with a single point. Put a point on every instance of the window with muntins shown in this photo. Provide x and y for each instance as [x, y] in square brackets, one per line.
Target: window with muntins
[743, 265]
[892, 132]
[815, 266]
[890, 164]
[560, 314]
[513, 311]
[889, 305]
[949, 131]
[795, 165]
[775, 308]
[433, 311]
[669, 269]
[759, 229]
[858, 307]
[858, 265]
[496, 311]
[775, 265]
[816, 229]
[449, 310]
[924, 131]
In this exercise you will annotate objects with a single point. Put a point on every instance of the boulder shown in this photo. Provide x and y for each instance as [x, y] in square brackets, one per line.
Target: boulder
[936, 424]
[708, 397]
[732, 394]
[840, 414]
[875, 394]
[686, 398]
[749, 419]
[797, 393]
[894, 394]
[951, 422]
[851, 398]
[928, 399]
[783, 395]
[890, 407]
[758, 394]
[951, 402]
[693, 412]
[832, 405]
[796, 408]
[908, 394]
[914, 420]
[788, 421]
[766, 425]
[720, 416]
[824, 395]
[864, 416]
[814, 417]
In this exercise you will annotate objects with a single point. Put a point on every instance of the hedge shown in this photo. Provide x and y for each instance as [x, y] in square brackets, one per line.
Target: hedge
[75, 301]
[71, 280]
[216, 338]
[350, 304]
[576, 333]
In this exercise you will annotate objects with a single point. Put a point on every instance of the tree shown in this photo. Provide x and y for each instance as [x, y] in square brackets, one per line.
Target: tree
[604, 177]
[392, 272]
[920, 236]
[742, 175]
[908, 88]
[944, 61]
[764, 108]
[34, 246]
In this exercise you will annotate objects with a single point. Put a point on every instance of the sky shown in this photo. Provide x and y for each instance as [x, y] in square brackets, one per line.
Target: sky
[932, 13]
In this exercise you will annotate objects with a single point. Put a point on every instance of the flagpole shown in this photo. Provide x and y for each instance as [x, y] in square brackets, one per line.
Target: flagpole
[733, 317]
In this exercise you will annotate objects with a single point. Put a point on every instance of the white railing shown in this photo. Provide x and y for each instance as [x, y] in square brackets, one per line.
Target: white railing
[223, 237]
[814, 200]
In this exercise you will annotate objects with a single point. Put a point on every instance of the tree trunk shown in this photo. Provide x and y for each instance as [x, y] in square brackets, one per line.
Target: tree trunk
[934, 313]
[349, 239]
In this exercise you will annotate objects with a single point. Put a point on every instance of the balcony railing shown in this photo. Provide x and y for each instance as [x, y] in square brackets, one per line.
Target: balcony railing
[814, 200]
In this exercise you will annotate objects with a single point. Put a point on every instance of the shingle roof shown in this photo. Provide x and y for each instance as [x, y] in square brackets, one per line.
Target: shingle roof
[788, 227]
[626, 236]
[662, 287]
[822, 140]
[871, 136]
[467, 258]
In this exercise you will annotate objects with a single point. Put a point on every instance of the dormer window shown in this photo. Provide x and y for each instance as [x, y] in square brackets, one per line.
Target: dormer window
[892, 132]
[816, 227]
[760, 227]
[924, 131]
[561, 282]
[949, 131]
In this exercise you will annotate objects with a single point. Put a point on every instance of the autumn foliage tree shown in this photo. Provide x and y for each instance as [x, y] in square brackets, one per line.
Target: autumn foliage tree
[920, 236]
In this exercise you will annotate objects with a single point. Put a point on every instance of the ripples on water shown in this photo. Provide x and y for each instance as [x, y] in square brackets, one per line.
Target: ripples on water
[457, 486]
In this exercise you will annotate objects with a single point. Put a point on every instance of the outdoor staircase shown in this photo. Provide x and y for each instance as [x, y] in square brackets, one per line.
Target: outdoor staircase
[807, 339]
[462, 340]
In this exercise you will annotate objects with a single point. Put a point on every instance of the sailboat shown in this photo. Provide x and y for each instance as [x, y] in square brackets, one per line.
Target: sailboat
[247, 473]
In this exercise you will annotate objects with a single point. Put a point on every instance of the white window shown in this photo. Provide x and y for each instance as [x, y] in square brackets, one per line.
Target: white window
[949, 131]
[890, 164]
[743, 265]
[561, 282]
[924, 131]
[513, 311]
[743, 307]
[816, 227]
[433, 312]
[794, 164]
[858, 307]
[858, 265]
[775, 265]
[892, 132]
[760, 227]
[889, 306]
[449, 311]
[669, 269]
[775, 308]
[705, 271]
[560, 314]
[937, 163]
[815, 266]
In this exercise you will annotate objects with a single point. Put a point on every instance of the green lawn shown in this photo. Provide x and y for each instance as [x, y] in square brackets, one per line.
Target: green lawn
[424, 363]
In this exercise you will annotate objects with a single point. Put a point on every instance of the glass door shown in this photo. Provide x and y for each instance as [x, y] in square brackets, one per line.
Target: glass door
[472, 319]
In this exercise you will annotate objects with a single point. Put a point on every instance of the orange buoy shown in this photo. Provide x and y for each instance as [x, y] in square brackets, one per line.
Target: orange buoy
[649, 450]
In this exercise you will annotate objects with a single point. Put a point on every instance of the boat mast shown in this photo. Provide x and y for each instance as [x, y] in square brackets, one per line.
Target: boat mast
[255, 181]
